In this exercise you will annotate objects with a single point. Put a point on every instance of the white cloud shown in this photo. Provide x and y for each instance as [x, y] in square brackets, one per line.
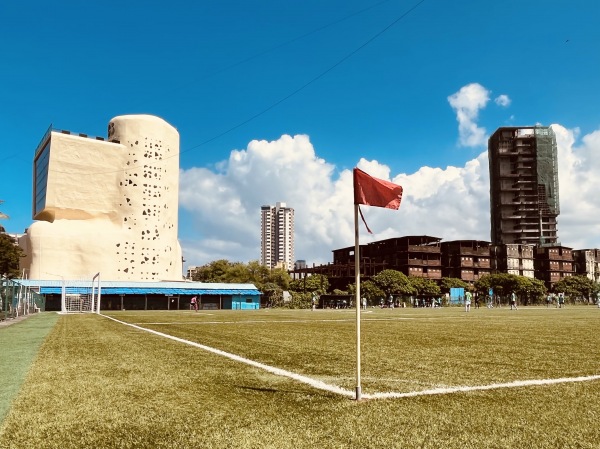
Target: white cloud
[502, 100]
[578, 165]
[451, 202]
[466, 103]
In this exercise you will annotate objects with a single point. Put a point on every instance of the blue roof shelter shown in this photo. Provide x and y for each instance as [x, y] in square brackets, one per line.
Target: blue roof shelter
[118, 295]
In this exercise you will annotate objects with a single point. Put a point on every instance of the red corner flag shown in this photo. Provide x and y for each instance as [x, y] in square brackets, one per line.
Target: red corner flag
[375, 192]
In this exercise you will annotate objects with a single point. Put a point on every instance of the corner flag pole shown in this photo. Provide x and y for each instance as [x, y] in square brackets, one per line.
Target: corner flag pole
[371, 192]
[357, 300]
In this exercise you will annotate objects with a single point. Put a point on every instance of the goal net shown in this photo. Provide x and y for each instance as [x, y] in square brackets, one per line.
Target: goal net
[82, 295]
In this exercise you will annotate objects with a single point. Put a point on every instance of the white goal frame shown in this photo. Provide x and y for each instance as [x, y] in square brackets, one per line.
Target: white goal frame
[81, 296]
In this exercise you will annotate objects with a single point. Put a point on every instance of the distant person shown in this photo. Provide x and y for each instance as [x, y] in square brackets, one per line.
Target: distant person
[513, 301]
[561, 300]
[476, 301]
[468, 297]
[548, 300]
[364, 303]
[194, 304]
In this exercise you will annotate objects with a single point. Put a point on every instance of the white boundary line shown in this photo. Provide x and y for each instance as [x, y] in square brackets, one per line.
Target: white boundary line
[277, 371]
[351, 394]
[515, 384]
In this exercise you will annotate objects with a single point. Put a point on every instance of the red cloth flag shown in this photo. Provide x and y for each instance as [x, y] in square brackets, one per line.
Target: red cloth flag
[376, 192]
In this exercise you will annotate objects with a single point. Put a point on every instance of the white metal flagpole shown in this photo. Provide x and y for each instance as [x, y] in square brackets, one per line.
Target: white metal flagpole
[357, 300]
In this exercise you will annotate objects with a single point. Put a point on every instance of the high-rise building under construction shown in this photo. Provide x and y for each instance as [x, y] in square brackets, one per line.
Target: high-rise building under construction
[523, 185]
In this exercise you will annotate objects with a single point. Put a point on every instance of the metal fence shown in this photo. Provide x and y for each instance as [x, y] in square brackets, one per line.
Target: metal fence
[17, 300]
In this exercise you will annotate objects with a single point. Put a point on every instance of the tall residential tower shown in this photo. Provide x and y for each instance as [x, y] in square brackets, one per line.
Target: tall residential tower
[277, 236]
[523, 186]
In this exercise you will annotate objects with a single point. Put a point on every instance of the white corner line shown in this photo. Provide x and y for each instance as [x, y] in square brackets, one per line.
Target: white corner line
[351, 394]
[277, 371]
[460, 389]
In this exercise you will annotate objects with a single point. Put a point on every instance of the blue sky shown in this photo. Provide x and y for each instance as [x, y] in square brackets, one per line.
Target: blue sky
[278, 101]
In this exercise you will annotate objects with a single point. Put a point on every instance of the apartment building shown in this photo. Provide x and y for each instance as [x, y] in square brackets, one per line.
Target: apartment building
[277, 236]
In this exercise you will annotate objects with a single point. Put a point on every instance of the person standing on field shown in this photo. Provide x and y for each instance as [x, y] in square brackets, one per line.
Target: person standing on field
[513, 301]
[194, 304]
[468, 301]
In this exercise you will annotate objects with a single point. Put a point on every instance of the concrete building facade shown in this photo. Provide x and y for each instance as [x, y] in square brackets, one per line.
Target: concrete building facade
[524, 201]
[587, 263]
[468, 260]
[513, 258]
[108, 206]
[277, 236]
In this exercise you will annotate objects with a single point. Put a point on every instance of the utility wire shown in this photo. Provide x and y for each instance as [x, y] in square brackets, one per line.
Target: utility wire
[287, 97]
[304, 86]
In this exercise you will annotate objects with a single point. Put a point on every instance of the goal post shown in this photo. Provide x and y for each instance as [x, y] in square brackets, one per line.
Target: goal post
[81, 296]
[96, 293]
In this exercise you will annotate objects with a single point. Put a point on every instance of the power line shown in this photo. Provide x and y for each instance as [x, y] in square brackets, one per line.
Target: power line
[288, 96]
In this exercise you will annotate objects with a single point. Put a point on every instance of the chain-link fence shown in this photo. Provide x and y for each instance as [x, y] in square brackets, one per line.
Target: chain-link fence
[17, 300]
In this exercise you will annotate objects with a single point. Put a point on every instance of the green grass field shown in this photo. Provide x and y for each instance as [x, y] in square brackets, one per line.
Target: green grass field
[97, 383]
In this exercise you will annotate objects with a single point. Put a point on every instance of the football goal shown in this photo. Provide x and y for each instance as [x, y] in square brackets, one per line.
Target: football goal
[81, 296]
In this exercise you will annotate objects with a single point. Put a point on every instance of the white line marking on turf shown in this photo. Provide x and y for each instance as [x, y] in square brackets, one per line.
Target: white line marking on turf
[339, 320]
[277, 371]
[515, 384]
[343, 392]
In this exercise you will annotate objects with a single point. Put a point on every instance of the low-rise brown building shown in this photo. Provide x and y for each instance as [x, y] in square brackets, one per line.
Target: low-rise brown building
[467, 260]
[553, 263]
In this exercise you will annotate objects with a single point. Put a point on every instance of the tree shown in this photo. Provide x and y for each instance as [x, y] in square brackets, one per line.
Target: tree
[272, 294]
[447, 283]
[316, 283]
[425, 287]
[530, 291]
[369, 290]
[576, 287]
[212, 272]
[503, 284]
[240, 273]
[393, 282]
[10, 255]
[280, 277]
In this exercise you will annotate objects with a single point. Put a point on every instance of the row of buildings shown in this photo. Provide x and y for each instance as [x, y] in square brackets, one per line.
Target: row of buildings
[524, 206]
[431, 258]
[110, 205]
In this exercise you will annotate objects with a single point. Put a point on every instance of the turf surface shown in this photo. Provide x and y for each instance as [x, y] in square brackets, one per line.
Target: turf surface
[97, 383]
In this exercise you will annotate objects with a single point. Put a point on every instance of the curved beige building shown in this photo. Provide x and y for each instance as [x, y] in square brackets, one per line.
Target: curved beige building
[107, 206]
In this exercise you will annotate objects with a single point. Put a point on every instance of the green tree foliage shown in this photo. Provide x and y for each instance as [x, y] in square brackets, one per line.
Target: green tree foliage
[528, 290]
[369, 290]
[425, 287]
[10, 255]
[576, 287]
[272, 294]
[316, 283]
[447, 283]
[393, 282]
[212, 272]
[271, 283]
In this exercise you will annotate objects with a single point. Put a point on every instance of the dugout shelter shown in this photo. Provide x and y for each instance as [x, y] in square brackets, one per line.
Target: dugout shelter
[170, 295]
